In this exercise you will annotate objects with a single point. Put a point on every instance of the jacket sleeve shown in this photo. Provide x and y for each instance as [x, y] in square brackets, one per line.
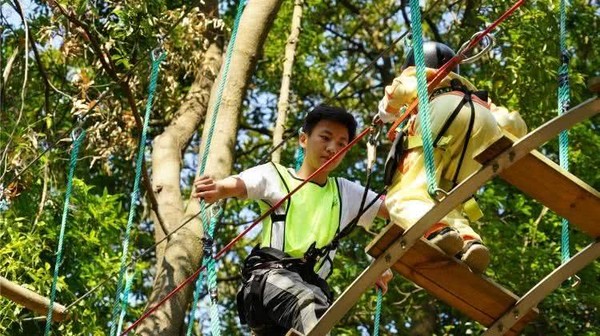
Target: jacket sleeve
[509, 121]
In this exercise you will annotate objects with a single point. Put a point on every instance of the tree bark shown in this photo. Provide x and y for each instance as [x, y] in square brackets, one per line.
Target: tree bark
[184, 250]
[168, 148]
[284, 92]
[424, 320]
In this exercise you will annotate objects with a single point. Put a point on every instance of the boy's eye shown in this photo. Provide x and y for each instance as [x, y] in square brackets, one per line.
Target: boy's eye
[324, 137]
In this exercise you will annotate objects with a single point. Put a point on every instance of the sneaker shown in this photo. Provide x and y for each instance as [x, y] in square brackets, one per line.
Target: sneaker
[475, 255]
[447, 239]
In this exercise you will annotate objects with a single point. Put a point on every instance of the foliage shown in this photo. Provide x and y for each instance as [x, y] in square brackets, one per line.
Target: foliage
[339, 39]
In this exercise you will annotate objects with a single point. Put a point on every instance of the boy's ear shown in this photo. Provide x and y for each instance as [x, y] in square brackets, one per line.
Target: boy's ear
[303, 139]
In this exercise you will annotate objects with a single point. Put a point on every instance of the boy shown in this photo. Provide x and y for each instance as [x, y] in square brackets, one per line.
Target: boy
[280, 290]
[463, 123]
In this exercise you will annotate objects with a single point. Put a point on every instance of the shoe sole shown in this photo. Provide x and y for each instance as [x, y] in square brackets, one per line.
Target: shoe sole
[451, 242]
[477, 258]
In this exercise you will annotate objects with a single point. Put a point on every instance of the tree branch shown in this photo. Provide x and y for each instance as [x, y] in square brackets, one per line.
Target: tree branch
[108, 66]
[38, 61]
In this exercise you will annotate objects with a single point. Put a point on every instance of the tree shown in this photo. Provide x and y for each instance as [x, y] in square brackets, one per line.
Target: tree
[104, 64]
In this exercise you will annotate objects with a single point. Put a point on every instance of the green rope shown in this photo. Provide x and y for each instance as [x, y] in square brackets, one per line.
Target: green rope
[125, 300]
[208, 262]
[299, 157]
[378, 312]
[59, 250]
[564, 101]
[136, 188]
[197, 290]
[207, 223]
[426, 133]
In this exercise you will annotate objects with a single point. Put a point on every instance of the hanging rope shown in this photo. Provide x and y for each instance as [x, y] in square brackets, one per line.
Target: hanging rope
[423, 95]
[59, 250]
[377, 312]
[564, 101]
[208, 262]
[125, 300]
[156, 60]
[209, 224]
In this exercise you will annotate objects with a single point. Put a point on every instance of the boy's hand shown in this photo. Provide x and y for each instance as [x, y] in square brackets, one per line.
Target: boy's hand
[206, 188]
[384, 278]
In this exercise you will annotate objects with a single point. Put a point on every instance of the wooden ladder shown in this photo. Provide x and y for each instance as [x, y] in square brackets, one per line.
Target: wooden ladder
[449, 279]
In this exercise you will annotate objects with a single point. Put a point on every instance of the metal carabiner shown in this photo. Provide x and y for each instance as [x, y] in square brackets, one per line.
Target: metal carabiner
[76, 133]
[490, 43]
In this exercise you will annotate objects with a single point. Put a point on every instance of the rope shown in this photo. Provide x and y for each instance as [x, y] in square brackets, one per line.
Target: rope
[125, 300]
[377, 312]
[422, 94]
[246, 230]
[59, 250]
[299, 158]
[564, 101]
[136, 186]
[208, 262]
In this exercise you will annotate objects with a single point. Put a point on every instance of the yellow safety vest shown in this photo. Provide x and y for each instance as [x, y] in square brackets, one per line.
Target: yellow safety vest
[311, 215]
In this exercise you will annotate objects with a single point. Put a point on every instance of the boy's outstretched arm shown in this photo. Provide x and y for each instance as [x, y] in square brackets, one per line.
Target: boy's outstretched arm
[211, 191]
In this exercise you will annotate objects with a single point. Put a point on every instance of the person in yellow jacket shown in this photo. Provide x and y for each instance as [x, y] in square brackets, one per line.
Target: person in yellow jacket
[463, 122]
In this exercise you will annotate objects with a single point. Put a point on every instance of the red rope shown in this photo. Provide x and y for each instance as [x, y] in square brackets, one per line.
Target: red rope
[236, 239]
[445, 69]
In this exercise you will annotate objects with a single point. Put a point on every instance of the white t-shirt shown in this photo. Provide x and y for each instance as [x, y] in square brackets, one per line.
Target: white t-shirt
[263, 183]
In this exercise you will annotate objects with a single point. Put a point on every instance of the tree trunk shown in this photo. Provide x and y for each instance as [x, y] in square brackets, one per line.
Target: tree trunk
[170, 145]
[284, 92]
[424, 320]
[184, 250]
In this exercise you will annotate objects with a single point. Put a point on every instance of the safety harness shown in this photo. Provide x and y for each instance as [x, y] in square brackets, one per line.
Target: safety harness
[403, 142]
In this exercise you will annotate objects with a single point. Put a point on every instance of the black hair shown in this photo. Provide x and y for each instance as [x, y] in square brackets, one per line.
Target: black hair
[331, 113]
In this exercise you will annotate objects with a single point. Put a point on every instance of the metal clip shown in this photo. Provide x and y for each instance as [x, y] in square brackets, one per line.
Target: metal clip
[439, 194]
[575, 281]
[76, 133]
[490, 43]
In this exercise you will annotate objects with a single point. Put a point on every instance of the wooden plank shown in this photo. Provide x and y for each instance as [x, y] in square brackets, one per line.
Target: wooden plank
[31, 300]
[561, 191]
[458, 195]
[294, 332]
[451, 281]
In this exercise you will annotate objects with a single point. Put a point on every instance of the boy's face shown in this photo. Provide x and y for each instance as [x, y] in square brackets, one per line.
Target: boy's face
[326, 139]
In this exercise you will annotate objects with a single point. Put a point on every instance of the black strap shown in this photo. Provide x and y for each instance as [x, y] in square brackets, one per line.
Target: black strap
[456, 85]
[465, 144]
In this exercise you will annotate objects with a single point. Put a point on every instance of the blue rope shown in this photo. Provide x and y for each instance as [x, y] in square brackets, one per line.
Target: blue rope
[564, 101]
[208, 261]
[378, 312]
[197, 290]
[125, 300]
[59, 250]
[426, 133]
[209, 227]
[299, 157]
[136, 188]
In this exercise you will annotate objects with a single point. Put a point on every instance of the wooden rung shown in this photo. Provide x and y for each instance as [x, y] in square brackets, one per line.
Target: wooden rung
[31, 300]
[294, 332]
[451, 281]
[556, 188]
